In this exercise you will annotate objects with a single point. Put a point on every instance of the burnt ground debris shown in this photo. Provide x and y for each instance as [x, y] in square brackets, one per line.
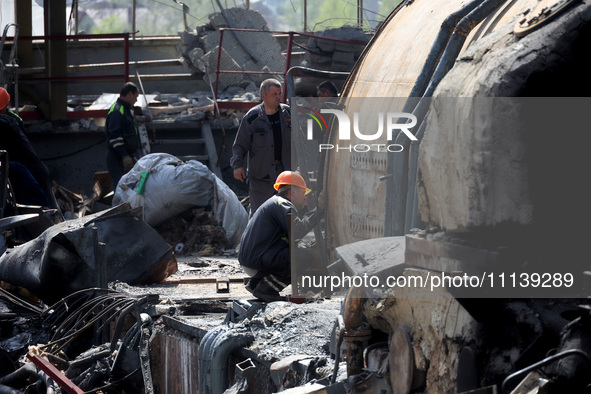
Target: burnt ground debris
[194, 232]
[520, 343]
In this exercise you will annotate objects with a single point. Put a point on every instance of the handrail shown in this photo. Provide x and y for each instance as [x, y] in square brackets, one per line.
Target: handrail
[84, 37]
[4, 35]
[100, 77]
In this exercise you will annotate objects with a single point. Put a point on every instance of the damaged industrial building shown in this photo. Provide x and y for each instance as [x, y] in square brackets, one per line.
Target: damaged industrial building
[449, 256]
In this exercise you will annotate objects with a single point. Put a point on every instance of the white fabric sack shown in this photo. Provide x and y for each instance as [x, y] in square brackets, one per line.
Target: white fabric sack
[174, 186]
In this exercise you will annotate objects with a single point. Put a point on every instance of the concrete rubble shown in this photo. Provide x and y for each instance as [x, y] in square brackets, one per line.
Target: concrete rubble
[241, 51]
[331, 55]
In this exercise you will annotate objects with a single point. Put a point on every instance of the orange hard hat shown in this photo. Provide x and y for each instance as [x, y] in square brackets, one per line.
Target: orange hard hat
[291, 178]
[4, 98]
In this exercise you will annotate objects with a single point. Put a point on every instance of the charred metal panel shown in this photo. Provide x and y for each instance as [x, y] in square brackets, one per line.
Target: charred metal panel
[175, 362]
[62, 259]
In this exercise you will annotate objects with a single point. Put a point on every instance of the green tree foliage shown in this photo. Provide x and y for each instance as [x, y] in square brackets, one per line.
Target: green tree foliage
[387, 6]
[165, 17]
[109, 25]
[331, 13]
[153, 17]
[326, 14]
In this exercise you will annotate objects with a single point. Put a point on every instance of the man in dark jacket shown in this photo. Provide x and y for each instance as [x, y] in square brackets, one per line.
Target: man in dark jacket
[265, 135]
[123, 139]
[28, 175]
[264, 247]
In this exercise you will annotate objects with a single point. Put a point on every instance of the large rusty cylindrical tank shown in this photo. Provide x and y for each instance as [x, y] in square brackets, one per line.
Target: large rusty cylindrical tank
[473, 175]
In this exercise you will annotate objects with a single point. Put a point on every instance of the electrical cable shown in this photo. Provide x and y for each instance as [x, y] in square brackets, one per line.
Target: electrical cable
[75, 152]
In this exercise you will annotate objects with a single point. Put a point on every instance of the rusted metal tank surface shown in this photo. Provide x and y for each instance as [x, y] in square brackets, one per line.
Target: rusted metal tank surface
[489, 179]
[388, 69]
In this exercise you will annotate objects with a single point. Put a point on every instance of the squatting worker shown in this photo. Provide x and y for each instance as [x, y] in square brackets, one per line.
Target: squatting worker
[264, 247]
[264, 137]
[123, 139]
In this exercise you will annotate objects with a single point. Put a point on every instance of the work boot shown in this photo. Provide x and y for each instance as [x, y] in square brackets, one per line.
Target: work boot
[265, 292]
[252, 284]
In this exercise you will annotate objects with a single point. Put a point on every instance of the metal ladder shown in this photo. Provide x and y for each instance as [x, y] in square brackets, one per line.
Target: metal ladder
[9, 70]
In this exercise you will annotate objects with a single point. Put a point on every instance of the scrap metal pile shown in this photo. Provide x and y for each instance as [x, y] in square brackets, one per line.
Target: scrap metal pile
[275, 346]
[66, 346]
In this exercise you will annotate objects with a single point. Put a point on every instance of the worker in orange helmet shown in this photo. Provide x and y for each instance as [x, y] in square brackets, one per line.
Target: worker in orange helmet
[264, 247]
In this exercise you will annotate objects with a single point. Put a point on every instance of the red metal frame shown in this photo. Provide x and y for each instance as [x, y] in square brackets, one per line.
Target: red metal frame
[84, 37]
[243, 105]
[55, 374]
[79, 37]
[87, 114]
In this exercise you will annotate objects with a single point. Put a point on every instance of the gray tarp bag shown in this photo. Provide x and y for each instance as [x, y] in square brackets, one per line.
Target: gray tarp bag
[170, 186]
[63, 259]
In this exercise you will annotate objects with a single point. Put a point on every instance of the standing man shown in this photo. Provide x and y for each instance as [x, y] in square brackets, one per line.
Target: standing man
[265, 134]
[264, 247]
[123, 139]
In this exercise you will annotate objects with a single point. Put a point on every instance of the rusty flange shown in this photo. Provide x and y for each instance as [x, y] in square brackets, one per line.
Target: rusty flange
[401, 360]
[362, 333]
[541, 14]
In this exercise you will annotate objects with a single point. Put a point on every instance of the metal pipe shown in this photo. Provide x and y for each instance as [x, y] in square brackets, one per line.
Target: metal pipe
[305, 15]
[412, 214]
[186, 11]
[354, 335]
[214, 350]
[287, 64]
[133, 8]
[547, 360]
[397, 190]
[337, 358]
[445, 32]
[126, 56]
[397, 164]
[12, 55]
[217, 71]
[290, 91]
[360, 14]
